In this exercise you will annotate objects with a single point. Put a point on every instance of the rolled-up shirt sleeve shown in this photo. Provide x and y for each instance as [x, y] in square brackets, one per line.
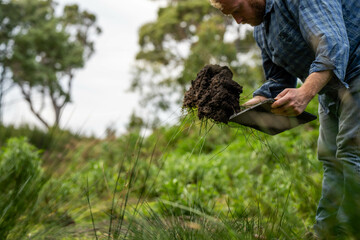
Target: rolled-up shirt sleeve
[277, 79]
[322, 26]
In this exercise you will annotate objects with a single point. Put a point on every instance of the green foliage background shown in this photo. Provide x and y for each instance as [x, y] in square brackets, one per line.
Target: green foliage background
[197, 181]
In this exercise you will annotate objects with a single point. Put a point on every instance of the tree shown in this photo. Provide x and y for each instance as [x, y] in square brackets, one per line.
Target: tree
[7, 26]
[187, 35]
[46, 51]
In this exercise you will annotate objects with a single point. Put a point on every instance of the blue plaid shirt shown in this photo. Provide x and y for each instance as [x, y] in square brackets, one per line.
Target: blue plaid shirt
[299, 37]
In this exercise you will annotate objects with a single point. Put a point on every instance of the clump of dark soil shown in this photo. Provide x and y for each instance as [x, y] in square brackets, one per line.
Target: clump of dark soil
[214, 94]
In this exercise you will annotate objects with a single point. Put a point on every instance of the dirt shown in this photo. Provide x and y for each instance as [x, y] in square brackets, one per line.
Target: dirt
[214, 94]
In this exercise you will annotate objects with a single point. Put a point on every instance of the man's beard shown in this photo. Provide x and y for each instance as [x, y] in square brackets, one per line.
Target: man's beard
[259, 9]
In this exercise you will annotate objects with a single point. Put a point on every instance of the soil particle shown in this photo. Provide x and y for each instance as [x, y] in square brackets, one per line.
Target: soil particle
[214, 94]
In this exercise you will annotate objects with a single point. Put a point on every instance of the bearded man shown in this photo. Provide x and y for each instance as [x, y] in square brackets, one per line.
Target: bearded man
[318, 42]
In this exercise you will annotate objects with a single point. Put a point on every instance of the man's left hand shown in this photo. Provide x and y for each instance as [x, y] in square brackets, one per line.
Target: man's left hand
[291, 102]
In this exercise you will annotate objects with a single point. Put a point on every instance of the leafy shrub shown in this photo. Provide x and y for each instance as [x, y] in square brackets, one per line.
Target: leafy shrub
[274, 178]
[34, 135]
[21, 179]
[52, 141]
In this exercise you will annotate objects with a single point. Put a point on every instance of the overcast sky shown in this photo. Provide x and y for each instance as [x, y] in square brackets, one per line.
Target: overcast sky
[99, 93]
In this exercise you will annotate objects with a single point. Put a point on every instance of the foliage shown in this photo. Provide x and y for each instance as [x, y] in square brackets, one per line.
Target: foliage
[186, 36]
[54, 140]
[7, 25]
[45, 51]
[199, 225]
[185, 172]
[54, 143]
[194, 179]
[21, 179]
[263, 169]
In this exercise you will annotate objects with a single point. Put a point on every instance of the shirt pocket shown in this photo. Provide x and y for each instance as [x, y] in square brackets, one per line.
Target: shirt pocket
[292, 51]
[291, 41]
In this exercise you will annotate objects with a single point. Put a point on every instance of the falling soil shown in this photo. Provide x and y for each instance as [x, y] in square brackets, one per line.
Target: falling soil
[214, 94]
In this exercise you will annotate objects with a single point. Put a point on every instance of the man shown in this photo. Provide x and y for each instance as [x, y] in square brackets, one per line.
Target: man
[317, 41]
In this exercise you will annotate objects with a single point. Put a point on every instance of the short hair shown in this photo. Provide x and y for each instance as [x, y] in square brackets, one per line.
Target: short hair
[216, 4]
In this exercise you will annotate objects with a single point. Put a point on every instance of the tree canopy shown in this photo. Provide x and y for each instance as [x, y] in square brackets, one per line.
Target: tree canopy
[44, 50]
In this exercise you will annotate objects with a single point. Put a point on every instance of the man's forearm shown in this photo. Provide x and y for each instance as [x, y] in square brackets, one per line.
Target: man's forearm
[293, 101]
[315, 82]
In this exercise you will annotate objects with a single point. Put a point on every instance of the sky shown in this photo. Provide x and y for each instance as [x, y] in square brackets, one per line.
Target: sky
[100, 90]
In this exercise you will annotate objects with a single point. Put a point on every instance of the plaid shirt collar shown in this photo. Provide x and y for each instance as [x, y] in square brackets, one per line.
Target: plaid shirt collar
[269, 6]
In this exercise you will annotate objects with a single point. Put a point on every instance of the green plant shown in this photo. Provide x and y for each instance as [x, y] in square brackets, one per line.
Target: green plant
[21, 179]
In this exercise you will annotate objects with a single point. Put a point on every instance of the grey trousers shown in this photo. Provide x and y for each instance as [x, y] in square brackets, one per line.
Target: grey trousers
[338, 212]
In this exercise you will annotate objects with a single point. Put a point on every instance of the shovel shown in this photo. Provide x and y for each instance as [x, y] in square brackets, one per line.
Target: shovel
[260, 117]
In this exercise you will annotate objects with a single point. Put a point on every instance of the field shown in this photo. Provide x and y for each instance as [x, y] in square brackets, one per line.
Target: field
[194, 180]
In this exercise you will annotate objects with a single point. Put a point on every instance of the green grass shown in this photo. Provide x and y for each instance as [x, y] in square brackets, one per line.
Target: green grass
[190, 181]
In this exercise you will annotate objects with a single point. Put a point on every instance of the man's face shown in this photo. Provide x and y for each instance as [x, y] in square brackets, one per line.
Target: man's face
[245, 11]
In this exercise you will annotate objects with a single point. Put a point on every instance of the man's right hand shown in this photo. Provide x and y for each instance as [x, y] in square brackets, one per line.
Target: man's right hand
[254, 100]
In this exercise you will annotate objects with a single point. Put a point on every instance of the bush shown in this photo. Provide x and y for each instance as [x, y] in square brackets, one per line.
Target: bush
[21, 179]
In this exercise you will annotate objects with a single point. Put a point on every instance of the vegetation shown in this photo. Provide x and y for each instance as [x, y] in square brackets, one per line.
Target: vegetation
[21, 179]
[182, 182]
[41, 51]
[190, 180]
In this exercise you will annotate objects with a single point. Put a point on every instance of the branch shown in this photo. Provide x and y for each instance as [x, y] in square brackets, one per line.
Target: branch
[71, 77]
[27, 96]
[42, 106]
[3, 78]
[55, 107]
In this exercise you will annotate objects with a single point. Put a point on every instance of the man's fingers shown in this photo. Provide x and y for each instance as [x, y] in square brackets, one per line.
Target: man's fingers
[286, 110]
[283, 112]
[254, 101]
[280, 99]
[282, 94]
[289, 103]
[251, 102]
[279, 102]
